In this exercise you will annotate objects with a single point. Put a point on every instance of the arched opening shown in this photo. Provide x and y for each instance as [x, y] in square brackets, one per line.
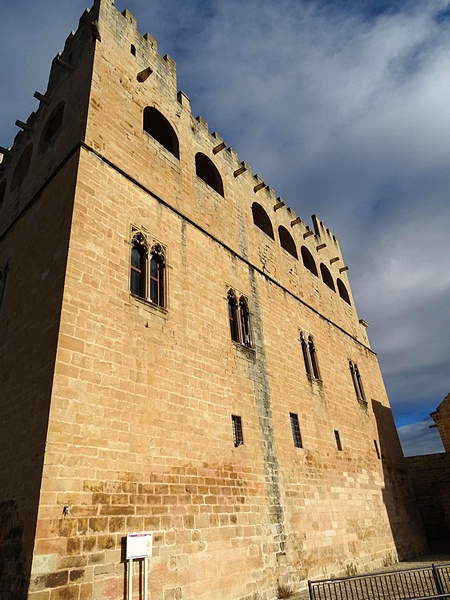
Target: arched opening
[53, 124]
[343, 291]
[261, 219]
[287, 241]
[22, 167]
[156, 125]
[326, 276]
[157, 267]
[232, 316]
[138, 275]
[208, 172]
[2, 191]
[244, 314]
[308, 261]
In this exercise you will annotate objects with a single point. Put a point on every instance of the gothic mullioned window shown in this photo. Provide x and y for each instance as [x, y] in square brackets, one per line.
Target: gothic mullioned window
[239, 319]
[147, 270]
[357, 383]
[310, 356]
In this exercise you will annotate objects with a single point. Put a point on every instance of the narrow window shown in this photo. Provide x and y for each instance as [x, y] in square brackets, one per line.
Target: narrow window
[306, 358]
[377, 450]
[2, 191]
[208, 172]
[157, 265]
[232, 316]
[338, 440]
[138, 266]
[133, 49]
[313, 357]
[238, 437]
[156, 125]
[308, 260]
[245, 322]
[287, 241]
[343, 293]
[295, 427]
[261, 219]
[326, 276]
[3, 276]
[357, 383]
[310, 356]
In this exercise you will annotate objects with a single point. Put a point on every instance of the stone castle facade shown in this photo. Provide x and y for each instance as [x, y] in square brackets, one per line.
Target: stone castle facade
[180, 354]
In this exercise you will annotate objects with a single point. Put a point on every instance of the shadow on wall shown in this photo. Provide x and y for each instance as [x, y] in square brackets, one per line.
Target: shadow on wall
[404, 518]
[29, 324]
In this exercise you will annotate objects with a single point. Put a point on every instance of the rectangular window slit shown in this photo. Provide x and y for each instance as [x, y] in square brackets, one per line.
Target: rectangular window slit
[377, 450]
[338, 440]
[238, 437]
[296, 435]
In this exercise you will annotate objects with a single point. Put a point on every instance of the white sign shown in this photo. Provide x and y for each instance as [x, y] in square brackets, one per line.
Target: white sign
[139, 545]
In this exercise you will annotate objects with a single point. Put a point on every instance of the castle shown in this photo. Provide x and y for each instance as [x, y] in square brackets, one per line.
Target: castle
[180, 354]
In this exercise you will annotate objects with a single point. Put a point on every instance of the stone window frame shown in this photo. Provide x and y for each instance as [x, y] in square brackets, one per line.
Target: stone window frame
[151, 286]
[238, 434]
[239, 318]
[310, 356]
[357, 382]
[295, 428]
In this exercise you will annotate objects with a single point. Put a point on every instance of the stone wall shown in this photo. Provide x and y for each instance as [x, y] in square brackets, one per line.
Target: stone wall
[141, 399]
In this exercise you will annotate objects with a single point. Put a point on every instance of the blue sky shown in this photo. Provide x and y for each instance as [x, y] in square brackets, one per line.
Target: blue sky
[343, 107]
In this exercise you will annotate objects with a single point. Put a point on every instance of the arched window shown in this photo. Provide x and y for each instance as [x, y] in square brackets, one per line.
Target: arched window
[261, 219]
[357, 383]
[308, 261]
[343, 291]
[287, 241]
[244, 314]
[2, 191]
[313, 356]
[53, 124]
[310, 356]
[208, 172]
[138, 276]
[157, 265]
[326, 276]
[22, 167]
[147, 270]
[232, 316]
[156, 125]
[3, 276]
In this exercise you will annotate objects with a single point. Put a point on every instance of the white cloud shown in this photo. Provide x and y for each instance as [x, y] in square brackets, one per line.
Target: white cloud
[419, 439]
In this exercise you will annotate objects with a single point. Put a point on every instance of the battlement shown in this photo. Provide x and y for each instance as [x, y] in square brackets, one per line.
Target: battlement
[149, 79]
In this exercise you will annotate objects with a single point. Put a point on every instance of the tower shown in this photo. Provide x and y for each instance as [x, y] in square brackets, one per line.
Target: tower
[180, 354]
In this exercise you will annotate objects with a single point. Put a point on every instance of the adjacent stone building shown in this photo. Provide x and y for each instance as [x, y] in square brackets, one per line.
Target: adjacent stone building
[180, 354]
[430, 480]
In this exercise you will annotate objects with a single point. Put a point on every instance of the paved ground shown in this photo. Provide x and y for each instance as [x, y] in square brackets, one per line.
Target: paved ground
[414, 563]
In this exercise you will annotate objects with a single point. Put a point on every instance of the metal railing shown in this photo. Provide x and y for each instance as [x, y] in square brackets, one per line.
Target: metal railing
[428, 582]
